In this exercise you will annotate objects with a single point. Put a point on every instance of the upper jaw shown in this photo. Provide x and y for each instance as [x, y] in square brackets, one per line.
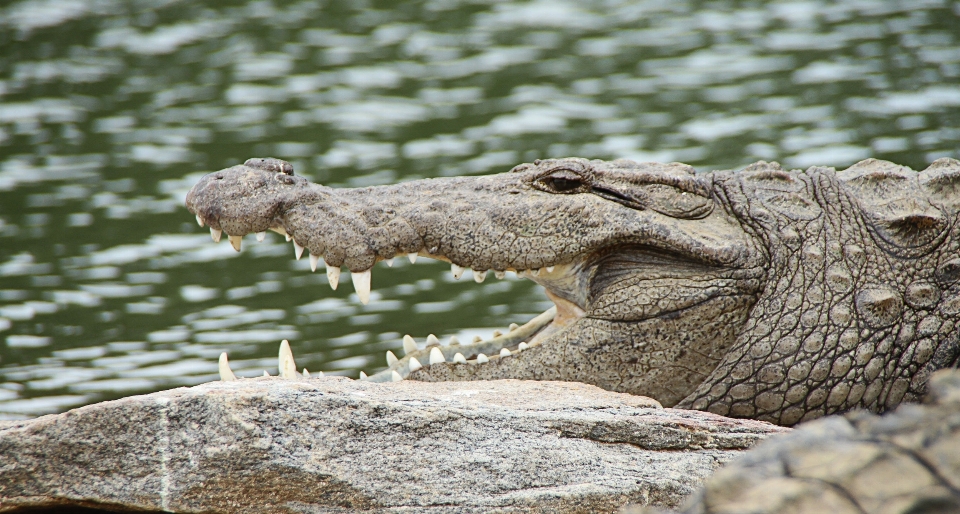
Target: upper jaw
[452, 220]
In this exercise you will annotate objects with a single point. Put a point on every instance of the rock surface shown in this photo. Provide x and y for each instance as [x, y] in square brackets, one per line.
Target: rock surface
[337, 445]
[907, 461]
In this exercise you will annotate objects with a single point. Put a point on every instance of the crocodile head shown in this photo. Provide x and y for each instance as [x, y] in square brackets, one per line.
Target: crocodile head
[650, 272]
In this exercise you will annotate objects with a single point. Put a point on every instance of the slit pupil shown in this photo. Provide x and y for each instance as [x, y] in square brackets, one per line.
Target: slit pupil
[563, 184]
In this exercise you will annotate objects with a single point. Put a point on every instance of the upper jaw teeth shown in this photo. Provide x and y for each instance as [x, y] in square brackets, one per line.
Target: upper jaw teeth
[362, 279]
[361, 282]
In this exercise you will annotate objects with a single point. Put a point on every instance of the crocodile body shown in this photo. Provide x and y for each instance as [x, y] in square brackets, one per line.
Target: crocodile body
[781, 295]
[906, 461]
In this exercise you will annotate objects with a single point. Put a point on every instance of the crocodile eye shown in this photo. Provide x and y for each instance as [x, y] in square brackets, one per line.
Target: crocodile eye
[562, 181]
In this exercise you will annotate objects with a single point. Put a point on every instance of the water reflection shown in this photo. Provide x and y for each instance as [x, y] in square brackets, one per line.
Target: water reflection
[109, 114]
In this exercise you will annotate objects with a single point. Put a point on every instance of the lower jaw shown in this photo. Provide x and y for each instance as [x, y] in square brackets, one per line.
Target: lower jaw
[479, 352]
[517, 340]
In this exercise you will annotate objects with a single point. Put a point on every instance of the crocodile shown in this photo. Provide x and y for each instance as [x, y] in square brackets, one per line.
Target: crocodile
[766, 293]
[905, 461]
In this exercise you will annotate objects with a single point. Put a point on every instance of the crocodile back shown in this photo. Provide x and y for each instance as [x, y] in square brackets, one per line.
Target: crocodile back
[862, 297]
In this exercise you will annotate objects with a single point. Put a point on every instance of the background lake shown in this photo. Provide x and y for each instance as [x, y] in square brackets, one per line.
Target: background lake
[111, 110]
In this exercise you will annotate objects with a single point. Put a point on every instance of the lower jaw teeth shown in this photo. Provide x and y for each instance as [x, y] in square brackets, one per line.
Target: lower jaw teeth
[398, 368]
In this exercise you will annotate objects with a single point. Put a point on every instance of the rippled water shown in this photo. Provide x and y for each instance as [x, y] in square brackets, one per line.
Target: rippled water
[110, 111]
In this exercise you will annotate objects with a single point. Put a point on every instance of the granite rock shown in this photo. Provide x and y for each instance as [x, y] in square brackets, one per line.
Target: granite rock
[338, 445]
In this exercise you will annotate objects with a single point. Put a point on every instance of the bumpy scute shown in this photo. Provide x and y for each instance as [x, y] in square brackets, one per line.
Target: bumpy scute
[907, 461]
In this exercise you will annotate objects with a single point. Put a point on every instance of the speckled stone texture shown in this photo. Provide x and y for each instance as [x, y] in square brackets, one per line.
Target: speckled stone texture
[338, 445]
[907, 461]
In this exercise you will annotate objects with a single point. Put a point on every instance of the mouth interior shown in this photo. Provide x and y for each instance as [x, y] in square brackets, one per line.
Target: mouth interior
[519, 338]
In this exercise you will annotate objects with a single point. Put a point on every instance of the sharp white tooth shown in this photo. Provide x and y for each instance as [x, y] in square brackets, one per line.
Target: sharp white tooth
[391, 358]
[456, 270]
[287, 368]
[287, 237]
[226, 374]
[414, 364]
[215, 234]
[479, 276]
[477, 339]
[513, 326]
[199, 220]
[497, 333]
[279, 230]
[297, 250]
[389, 262]
[454, 341]
[409, 345]
[361, 283]
[432, 340]
[412, 257]
[523, 346]
[306, 374]
[314, 260]
[504, 352]
[550, 269]
[535, 272]
[459, 358]
[333, 276]
[436, 356]
[265, 373]
[499, 274]
[320, 374]
[396, 376]
[363, 376]
[520, 272]
[482, 359]
[235, 242]
[260, 236]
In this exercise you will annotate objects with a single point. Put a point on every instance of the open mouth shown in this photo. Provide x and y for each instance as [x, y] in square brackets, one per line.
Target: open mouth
[559, 281]
[646, 299]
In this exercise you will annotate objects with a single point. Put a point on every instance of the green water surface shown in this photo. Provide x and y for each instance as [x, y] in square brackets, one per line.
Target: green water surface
[110, 110]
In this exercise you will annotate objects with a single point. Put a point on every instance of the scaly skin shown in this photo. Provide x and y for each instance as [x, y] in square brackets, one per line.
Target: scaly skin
[906, 461]
[762, 293]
